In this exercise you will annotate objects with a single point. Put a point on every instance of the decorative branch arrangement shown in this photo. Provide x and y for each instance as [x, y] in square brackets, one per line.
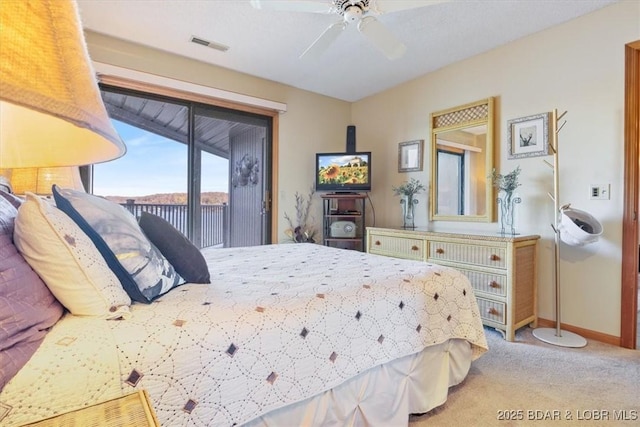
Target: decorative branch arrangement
[299, 231]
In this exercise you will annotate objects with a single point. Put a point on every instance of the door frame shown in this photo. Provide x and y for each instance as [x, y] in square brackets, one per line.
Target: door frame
[630, 250]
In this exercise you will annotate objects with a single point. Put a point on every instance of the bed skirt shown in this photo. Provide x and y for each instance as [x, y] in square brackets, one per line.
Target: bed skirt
[384, 395]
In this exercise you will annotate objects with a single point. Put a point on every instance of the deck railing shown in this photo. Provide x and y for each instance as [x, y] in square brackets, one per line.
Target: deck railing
[211, 223]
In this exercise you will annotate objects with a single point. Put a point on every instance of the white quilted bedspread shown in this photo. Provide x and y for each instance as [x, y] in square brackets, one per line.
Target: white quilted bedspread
[278, 324]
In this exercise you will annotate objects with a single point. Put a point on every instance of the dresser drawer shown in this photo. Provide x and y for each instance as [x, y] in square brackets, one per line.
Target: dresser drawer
[501, 269]
[489, 256]
[495, 284]
[494, 311]
[398, 247]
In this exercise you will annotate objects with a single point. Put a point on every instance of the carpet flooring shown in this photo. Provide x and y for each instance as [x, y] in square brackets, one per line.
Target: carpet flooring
[532, 383]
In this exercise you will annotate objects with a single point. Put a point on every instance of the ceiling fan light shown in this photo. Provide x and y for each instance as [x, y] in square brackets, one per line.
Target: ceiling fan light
[352, 14]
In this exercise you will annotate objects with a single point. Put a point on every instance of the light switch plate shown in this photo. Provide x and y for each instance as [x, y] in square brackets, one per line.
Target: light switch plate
[600, 191]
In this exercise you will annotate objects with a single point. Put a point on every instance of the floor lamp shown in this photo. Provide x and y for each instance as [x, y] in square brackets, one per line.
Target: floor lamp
[557, 336]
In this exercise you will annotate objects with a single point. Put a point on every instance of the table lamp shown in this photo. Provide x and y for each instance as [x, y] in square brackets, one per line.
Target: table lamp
[40, 180]
[51, 112]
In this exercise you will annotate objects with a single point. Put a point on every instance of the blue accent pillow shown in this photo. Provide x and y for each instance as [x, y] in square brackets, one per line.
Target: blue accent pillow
[181, 253]
[144, 272]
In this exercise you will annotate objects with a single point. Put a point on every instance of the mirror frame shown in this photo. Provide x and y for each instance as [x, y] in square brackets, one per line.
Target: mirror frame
[469, 115]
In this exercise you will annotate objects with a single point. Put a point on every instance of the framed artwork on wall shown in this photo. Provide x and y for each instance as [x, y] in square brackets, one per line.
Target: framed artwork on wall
[528, 136]
[410, 156]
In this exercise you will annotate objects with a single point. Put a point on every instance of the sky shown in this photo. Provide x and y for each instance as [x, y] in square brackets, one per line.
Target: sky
[154, 164]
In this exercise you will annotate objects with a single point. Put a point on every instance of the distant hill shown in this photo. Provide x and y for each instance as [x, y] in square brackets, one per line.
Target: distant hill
[208, 198]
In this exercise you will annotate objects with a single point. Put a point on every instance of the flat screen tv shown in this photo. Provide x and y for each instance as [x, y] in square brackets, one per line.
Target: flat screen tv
[342, 172]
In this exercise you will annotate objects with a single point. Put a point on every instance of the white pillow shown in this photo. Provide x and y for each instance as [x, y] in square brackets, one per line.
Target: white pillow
[67, 261]
[143, 271]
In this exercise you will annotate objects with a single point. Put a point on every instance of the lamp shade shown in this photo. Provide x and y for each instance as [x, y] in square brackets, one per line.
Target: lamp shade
[51, 112]
[40, 180]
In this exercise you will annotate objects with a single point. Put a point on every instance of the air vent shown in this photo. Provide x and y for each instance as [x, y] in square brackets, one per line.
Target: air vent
[207, 43]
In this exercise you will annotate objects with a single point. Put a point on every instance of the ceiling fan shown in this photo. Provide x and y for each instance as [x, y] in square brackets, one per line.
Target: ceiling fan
[352, 12]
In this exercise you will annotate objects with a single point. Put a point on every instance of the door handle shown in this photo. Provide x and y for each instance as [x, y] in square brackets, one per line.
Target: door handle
[266, 202]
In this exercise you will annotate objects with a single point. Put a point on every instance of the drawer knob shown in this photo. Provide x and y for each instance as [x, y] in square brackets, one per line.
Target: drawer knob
[494, 257]
[414, 248]
[440, 251]
[492, 311]
[493, 284]
[377, 243]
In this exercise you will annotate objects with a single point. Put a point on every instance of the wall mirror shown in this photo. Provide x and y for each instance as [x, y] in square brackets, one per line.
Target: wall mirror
[461, 162]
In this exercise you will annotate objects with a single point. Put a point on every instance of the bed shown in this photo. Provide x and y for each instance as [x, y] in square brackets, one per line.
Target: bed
[289, 334]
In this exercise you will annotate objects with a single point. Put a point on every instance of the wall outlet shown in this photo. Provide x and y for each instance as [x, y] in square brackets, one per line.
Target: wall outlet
[600, 191]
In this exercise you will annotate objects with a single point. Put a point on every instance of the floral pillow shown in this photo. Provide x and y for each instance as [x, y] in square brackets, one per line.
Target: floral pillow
[143, 271]
[68, 261]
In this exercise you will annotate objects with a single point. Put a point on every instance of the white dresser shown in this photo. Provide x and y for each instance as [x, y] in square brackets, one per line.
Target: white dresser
[501, 269]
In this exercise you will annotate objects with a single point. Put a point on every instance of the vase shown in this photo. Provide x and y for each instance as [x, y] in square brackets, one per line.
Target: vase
[408, 206]
[507, 203]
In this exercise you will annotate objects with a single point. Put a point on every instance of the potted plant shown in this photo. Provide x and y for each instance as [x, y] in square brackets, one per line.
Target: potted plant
[407, 190]
[507, 184]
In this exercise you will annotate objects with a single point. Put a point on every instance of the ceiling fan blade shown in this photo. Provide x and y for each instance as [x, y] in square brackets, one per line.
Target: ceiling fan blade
[293, 6]
[381, 37]
[322, 43]
[386, 6]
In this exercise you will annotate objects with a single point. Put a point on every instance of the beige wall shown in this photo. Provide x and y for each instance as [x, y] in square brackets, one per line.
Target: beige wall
[577, 67]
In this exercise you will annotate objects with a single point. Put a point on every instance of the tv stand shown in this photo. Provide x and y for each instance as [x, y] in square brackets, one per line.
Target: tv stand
[344, 220]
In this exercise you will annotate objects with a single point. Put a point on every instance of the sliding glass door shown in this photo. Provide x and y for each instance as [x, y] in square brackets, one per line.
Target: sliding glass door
[203, 168]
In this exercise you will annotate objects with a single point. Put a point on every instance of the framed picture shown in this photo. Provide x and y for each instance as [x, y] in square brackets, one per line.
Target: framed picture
[410, 156]
[528, 136]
